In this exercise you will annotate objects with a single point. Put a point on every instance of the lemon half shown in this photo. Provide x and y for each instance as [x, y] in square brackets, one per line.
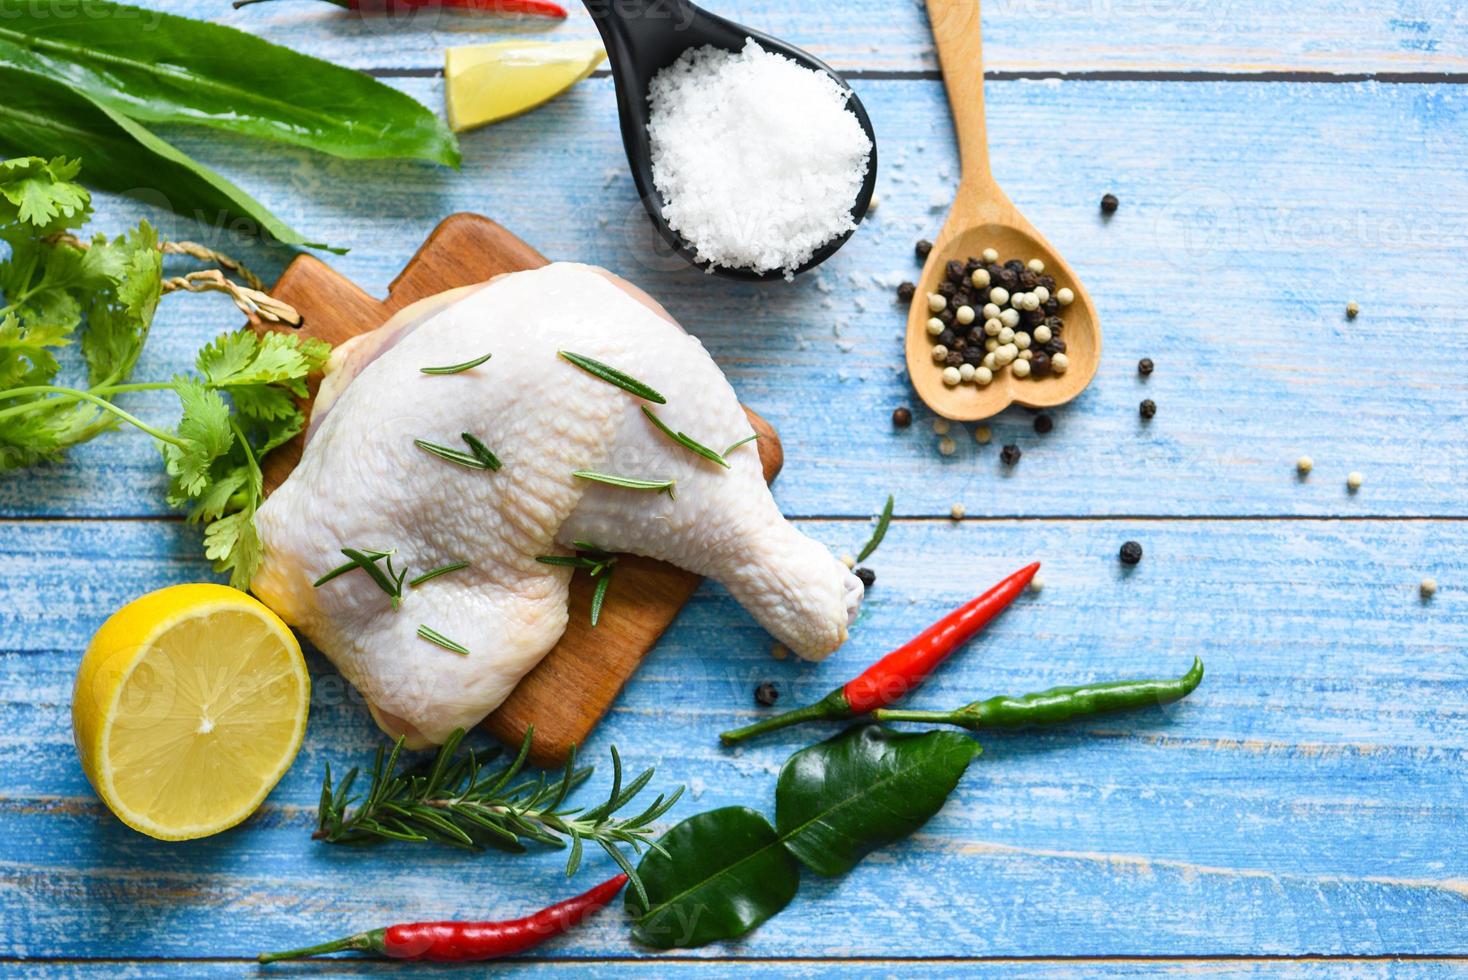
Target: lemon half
[189, 706]
[484, 83]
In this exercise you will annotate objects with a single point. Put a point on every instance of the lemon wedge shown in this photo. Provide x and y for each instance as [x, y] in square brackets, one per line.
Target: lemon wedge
[189, 706]
[484, 83]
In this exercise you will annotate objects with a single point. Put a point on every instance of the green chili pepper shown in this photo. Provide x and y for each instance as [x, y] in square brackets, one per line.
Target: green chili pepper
[1059, 704]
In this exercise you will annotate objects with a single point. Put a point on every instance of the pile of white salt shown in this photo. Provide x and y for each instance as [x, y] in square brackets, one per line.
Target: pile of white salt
[758, 159]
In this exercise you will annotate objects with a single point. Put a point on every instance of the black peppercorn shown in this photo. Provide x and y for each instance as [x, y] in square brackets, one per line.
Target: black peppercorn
[972, 265]
[1010, 454]
[1056, 325]
[905, 292]
[955, 271]
[1008, 279]
[946, 338]
[1109, 204]
[1043, 423]
[1131, 553]
[1015, 266]
[1050, 306]
[867, 576]
[1033, 318]
[1048, 282]
[1144, 366]
[766, 694]
[1039, 364]
[1056, 346]
[946, 317]
[1148, 408]
[947, 290]
[995, 271]
[954, 359]
[922, 248]
[959, 344]
[974, 354]
[1028, 280]
[902, 417]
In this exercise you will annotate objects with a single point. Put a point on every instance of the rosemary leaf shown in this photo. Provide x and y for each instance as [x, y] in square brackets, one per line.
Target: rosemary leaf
[628, 482]
[434, 636]
[599, 597]
[441, 570]
[742, 442]
[686, 441]
[879, 533]
[611, 375]
[347, 567]
[457, 368]
[480, 450]
[452, 455]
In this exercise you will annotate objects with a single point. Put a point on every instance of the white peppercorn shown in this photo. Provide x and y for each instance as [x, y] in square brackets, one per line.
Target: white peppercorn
[1042, 293]
[1036, 266]
[941, 427]
[1041, 334]
[991, 344]
[956, 512]
[1059, 363]
[1304, 465]
[1037, 584]
[947, 446]
[965, 372]
[998, 295]
[990, 255]
[1006, 335]
[951, 376]
[1010, 318]
[1064, 296]
[991, 361]
[982, 435]
[937, 302]
[1354, 481]
[1022, 341]
[965, 315]
[982, 377]
[940, 353]
[991, 311]
[993, 326]
[1428, 588]
[1006, 354]
[935, 326]
[980, 278]
[1020, 368]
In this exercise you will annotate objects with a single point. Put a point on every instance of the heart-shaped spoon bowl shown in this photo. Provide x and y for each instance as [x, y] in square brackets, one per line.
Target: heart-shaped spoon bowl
[963, 238]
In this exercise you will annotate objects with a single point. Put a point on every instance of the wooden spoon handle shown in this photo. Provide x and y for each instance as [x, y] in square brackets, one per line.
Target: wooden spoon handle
[955, 25]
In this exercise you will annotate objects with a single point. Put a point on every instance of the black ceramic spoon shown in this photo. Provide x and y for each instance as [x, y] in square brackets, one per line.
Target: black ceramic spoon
[643, 37]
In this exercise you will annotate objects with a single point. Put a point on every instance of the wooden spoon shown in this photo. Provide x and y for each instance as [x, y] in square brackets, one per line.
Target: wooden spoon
[983, 217]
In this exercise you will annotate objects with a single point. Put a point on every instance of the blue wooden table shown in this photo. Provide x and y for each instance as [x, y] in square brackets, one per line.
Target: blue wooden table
[1305, 812]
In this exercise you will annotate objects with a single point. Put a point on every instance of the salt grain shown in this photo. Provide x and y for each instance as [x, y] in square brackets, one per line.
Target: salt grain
[758, 159]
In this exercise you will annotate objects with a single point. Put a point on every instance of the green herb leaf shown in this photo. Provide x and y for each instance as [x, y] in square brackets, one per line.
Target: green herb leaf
[599, 597]
[41, 115]
[160, 68]
[714, 876]
[453, 455]
[457, 368]
[697, 448]
[879, 533]
[843, 798]
[345, 567]
[42, 194]
[434, 636]
[742, 442]
[435, 573]
[627, 482]
[611, 375]
[480, 450]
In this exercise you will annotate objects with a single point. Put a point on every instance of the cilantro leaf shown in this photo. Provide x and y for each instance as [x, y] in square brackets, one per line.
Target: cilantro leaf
[42, 194]
[206, 434]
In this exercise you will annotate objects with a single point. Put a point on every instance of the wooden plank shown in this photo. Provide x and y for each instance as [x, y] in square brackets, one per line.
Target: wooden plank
[1308, 799]
[567, 693]
[1249, 212]
[1020, 35]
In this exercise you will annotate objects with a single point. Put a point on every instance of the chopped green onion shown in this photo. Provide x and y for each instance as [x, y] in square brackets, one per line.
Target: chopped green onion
[480, 450]
[441, 570]
[879, 533]
[457, 368]
[627, 482]
[746, 440]
[452, 455]
[687, 442]
[434, 636]
[611, 375]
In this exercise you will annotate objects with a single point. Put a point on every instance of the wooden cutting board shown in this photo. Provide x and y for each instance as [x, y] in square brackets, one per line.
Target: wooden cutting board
[572, 688]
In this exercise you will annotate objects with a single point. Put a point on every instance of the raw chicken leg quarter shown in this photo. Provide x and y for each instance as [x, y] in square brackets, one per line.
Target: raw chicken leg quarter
[362, 483]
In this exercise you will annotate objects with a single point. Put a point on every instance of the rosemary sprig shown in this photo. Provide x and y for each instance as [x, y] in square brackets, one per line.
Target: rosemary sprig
[629, 482]
[453, 799]
[457, 368]
[389, 580]
[596, 561]
[429, 576]
[434, 636]
[742, 442]
[879, 533]
[480, 450]
[612, 376]
[471, 459]
[684, 440]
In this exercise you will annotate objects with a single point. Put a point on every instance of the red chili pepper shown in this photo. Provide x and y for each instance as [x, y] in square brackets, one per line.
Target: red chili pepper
[890, 679]
[462, 942]
[538, 8]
